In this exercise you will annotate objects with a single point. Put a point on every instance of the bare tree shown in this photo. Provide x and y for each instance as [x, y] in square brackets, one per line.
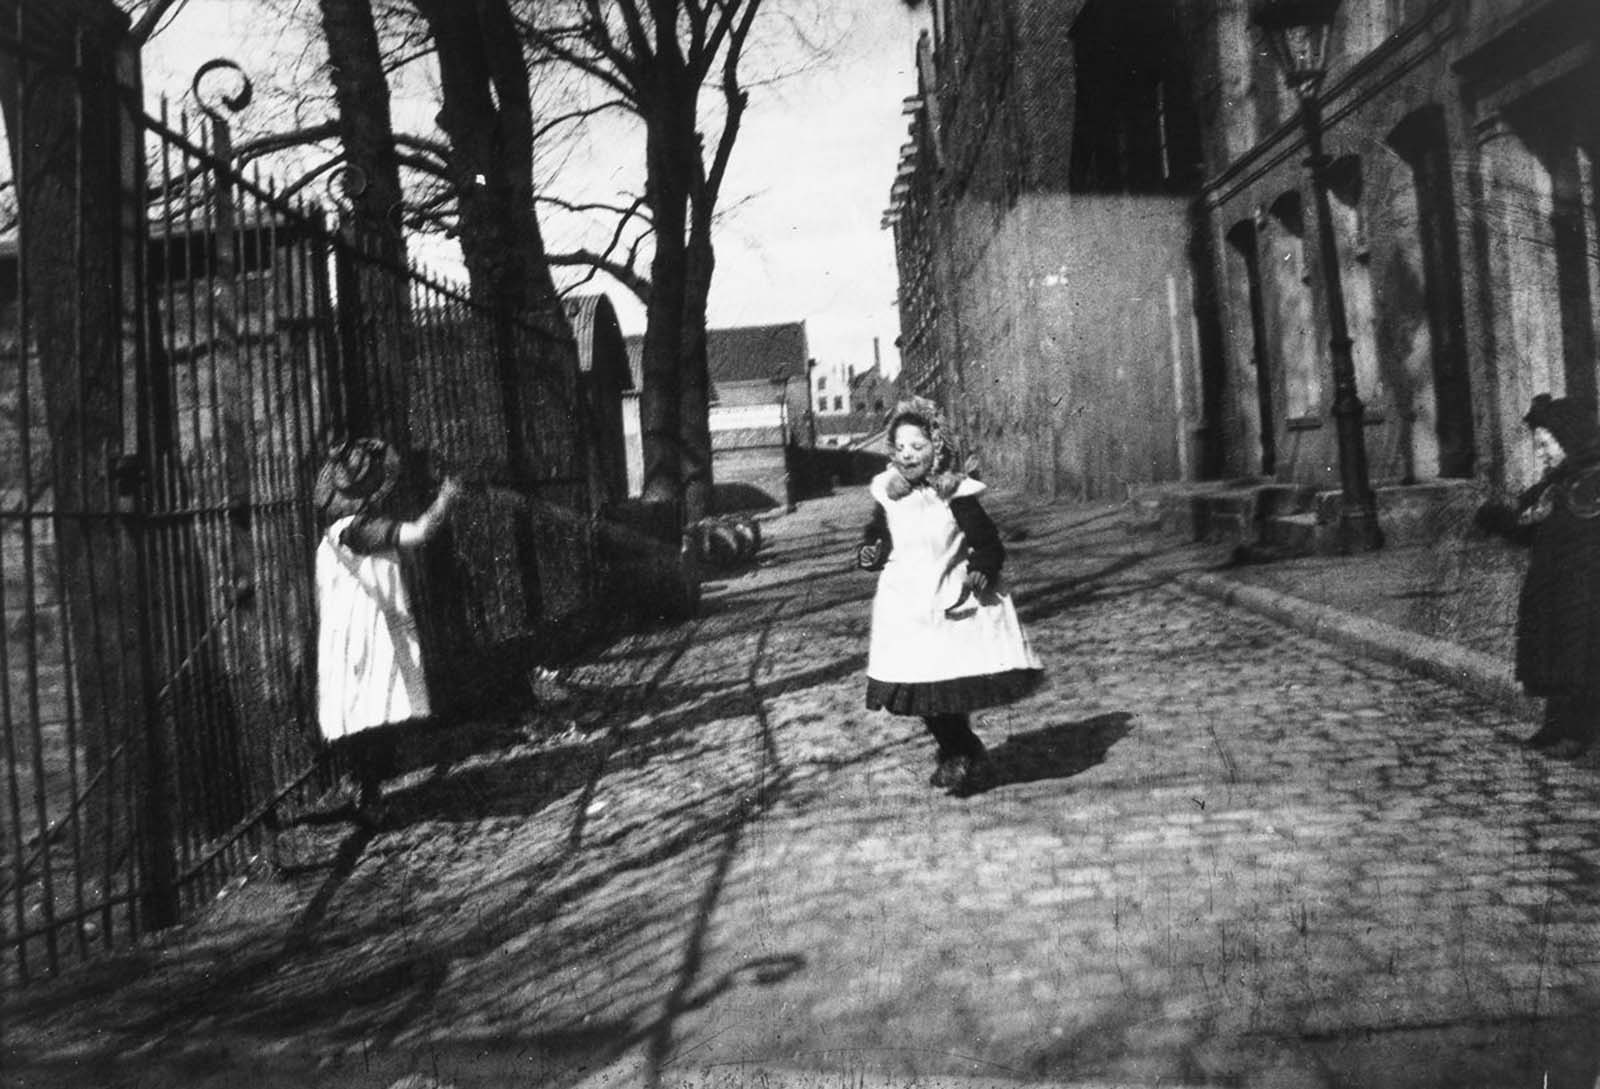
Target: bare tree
[654, 58]
[366, 131]
[487, 115]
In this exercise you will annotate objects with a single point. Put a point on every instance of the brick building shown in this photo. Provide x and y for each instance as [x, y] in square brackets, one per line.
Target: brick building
[1107, 248]
[1042, 214]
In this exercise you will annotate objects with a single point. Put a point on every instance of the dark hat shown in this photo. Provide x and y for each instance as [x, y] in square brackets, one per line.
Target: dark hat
[358, 475]
[1571, 421]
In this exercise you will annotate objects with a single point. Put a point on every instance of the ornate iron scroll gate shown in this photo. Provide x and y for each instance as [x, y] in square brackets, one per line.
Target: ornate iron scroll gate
[165, 345]
[177, 344]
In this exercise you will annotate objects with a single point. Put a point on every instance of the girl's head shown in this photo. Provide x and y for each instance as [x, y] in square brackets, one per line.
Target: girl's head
[920, 446]
[1547, 448]
[357, 477]
[1564, 428]
[912, 447]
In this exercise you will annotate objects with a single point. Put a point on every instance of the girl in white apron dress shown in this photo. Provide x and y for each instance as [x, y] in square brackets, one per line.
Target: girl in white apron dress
[369, 659]
[945, 636]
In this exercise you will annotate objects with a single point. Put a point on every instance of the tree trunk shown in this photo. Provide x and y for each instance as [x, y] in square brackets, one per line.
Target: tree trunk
[699, 482]
[374, 388]
[488, 118]
[670, 157]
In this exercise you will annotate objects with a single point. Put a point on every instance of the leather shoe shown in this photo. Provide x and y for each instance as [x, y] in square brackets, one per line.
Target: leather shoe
[969, 773]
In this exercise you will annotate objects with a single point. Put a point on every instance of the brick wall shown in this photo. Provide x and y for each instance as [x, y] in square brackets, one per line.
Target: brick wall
[1078, 375]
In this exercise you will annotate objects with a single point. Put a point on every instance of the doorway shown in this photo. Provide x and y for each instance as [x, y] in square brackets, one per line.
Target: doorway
[1423, 144]
[1242, 239]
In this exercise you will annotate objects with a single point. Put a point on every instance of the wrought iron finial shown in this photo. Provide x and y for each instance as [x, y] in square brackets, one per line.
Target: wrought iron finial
[234, 102]
[345, 183]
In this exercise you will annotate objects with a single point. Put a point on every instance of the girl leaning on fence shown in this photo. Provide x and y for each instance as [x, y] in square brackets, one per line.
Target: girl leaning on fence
[369, 659]
[945, 637]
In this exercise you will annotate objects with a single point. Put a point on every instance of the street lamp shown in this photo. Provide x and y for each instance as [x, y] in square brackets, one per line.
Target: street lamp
[1297, 31]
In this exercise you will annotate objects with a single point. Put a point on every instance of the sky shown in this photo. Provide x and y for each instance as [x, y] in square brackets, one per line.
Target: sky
[806, 188]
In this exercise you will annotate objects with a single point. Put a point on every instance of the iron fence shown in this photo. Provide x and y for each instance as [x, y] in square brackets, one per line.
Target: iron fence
[178, 344]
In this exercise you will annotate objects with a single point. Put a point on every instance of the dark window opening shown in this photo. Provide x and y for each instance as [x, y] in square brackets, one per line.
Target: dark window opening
[1134, 129]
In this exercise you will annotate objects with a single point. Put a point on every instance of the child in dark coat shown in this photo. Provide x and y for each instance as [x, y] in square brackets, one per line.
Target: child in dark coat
[1558, 616]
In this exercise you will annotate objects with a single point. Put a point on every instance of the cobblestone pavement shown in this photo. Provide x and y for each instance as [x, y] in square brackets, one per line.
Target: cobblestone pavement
[1215, 853]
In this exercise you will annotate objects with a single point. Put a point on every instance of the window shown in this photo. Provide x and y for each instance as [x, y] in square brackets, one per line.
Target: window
[1134, 130]
[822, 382]
[838, 404]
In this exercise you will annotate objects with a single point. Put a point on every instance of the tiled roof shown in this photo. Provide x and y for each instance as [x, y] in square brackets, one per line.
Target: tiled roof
[752, 352]
[747, 438]
[851, 423]
[745, 353]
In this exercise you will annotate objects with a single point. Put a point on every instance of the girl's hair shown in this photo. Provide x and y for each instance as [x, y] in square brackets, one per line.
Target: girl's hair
[943, 476]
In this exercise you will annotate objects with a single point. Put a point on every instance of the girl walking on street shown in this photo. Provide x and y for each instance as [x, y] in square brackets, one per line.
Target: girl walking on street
[1558, 614]
[945, 637]
[369, 659]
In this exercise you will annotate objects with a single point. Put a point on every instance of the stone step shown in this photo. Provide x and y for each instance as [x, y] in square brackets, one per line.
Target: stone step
[1297, 519]
[1297, 534]
[1276, 499]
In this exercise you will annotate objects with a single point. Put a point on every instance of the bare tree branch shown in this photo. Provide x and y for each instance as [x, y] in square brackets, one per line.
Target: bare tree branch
[312, 175]
[730, 17]
[150, 21]
[393, 64]
[737, 99]
[552, 43]
[426, 164]
[578, 115]
[437, 148]
[257, 146]
[623, 274]
[600, 38]
[635, 210]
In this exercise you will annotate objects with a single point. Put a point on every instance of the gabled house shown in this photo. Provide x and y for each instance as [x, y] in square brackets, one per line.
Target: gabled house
[868, 400]
[759, 402]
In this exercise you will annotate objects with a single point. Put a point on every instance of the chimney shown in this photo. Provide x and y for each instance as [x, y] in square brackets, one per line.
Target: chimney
[875, 359]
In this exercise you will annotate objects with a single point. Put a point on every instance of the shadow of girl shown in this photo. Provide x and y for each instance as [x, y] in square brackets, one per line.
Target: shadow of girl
[1053, 752]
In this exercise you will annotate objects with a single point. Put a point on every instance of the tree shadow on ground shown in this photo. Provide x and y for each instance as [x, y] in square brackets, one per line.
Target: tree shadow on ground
[518, 786]
[1053, 752]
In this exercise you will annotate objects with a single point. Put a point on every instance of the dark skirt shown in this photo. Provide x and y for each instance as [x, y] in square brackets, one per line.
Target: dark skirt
[952, 697]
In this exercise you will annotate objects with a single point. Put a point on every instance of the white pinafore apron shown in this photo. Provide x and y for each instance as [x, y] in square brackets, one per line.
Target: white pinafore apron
[369, 661]
[922, 630]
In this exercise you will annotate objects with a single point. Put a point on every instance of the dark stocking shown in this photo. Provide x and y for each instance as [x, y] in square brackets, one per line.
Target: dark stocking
[953, 734]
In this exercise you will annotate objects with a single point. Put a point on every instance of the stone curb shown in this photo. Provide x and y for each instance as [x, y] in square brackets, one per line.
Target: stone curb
[1470, 670]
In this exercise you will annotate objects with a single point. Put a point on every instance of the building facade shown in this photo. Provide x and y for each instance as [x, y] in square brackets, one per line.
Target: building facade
[864, 405]
[1462, 141]
[1107, 241]
[830, 389]
[1042, 212]
[759, 408]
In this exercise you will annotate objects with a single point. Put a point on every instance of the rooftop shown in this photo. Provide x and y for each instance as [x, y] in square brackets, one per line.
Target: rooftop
[745, 353]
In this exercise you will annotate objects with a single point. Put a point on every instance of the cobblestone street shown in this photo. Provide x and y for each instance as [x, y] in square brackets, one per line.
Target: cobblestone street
[1214, 852]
